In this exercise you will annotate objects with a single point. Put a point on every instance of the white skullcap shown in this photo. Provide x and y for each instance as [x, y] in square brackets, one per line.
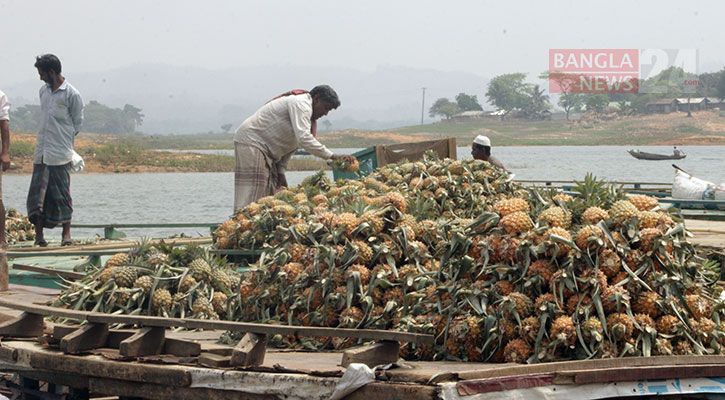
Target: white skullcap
[482, 140]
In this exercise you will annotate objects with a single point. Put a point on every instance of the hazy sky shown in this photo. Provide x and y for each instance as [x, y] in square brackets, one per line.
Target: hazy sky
[481, 37]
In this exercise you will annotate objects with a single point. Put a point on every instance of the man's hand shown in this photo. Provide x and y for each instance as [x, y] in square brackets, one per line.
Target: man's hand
[350, 158]
[282, 180]
[5, 160]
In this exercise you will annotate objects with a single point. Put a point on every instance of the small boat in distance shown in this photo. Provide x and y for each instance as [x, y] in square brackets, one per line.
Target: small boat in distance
[641, 155]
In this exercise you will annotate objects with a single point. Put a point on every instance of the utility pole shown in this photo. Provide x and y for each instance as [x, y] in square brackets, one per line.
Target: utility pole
[422, 108]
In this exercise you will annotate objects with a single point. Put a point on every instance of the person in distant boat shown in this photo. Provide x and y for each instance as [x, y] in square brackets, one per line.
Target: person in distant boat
[676, 152]
[4, 158]
[61, 106]
[264, 143]
[481, 150]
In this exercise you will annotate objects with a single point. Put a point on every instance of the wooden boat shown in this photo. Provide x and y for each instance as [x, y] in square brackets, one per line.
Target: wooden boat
[641, 155]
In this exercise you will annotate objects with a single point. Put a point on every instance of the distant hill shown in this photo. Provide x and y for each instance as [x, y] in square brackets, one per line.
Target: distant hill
[195, 100]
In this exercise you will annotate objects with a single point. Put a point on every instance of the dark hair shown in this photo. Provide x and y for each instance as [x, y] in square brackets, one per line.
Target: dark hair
[486, 149]
[48, 62]
[327, 94]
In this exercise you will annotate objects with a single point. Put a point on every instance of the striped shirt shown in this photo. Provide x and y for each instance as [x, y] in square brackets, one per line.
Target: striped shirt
[61, 117]
[279, 128]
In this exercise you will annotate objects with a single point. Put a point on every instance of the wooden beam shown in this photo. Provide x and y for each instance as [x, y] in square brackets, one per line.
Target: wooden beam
[70, 275]
[214, 360]
[4, 274]
[181, 348]
[87, 337]
[60, 331]
[266, 329]
[249, 352]
[145, 342]
[116, 336]
[164, 392]
[383, 352]
[8, 353]
[26, 325]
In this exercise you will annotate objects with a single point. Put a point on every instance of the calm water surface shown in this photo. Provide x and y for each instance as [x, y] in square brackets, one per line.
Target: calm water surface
[208, 197]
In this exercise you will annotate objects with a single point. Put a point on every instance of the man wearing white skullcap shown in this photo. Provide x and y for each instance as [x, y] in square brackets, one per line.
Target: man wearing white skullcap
[481, 150]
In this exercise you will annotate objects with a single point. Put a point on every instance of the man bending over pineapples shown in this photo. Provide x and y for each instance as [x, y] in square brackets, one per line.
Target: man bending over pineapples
[264, 143]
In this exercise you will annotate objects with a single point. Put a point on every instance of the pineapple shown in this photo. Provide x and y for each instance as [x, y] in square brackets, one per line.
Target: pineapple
[647, 238]
[593, 215]
[563, 329]
[615, 298]
[203, 308]
[397, 200]
[543, 269]
[516, 223]
[125, 276]
[609, 262]
[161, 299]
[291, 271]
[144, 283]
[668, 324]
[375, 223]
[592, 329]
[579, 302]
[106, 274]
[362, 270]
[647, 219]
[187, 284]
[117, 260]
[621, 211]
[503, 288]
[219, 302]
[643, 202]
[620, 326]
[510, 206]
[220, 279]
[644, 321]
[347, 220]
[523, 305]
[555, 217]
[517, 351]
[584, 235]
[200, 269]
[700, 306]
[296, 252]
[646, 303]
[560, 249]
[351, 317]
[364, 252]
[342, 164]
[529, 329]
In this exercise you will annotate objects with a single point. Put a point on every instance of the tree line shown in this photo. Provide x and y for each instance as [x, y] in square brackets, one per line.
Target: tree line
[97, 118]
[512, 94]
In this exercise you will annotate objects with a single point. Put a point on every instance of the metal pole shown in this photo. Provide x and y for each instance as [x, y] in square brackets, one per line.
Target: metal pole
[422, 108]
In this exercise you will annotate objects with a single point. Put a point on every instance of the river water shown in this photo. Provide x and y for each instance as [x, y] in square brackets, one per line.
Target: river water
[208, 197]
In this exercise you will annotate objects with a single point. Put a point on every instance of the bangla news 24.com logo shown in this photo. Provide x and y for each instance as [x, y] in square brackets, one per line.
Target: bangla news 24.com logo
[622, 70]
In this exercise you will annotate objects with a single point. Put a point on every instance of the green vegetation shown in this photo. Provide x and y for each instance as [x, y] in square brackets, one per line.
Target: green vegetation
[98, 118]
[20, 149]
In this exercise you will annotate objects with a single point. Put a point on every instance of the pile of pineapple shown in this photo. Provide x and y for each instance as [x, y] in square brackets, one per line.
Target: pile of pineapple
[163, 280]
[17, 227]
[496, 272]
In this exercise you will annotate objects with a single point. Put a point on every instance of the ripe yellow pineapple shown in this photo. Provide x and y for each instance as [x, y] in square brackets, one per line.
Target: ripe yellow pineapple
[347, 220]
[219, 302]
[643, 202]
[508, 206]
[584, 234]
[555, 217]
[647, 238]
[516, 223]
[562, 197]
[396, 200]
[351, 317]
[593, 215]
[644, 321]
[648, 219]
[615, 298]
[144, 283]
[558, 248]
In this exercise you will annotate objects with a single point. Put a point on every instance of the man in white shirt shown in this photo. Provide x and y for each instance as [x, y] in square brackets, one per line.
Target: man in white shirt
[481, 150]
[49, 200]
[4, 158]
[264, 143]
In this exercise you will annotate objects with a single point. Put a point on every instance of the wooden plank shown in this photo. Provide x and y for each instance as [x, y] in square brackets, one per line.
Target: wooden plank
[87, 337]
[26, 325]
[60, 331]
[562, 366]
[181, 348]
[116, 336]
[4, 273]
[8, 353]
[188, 323]
[56, 378]
[145, 342]
[468, 388]
[214, 360]
[249, 351]
[643, 373]
[97, 366]
[383, 352]
[70, 275]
